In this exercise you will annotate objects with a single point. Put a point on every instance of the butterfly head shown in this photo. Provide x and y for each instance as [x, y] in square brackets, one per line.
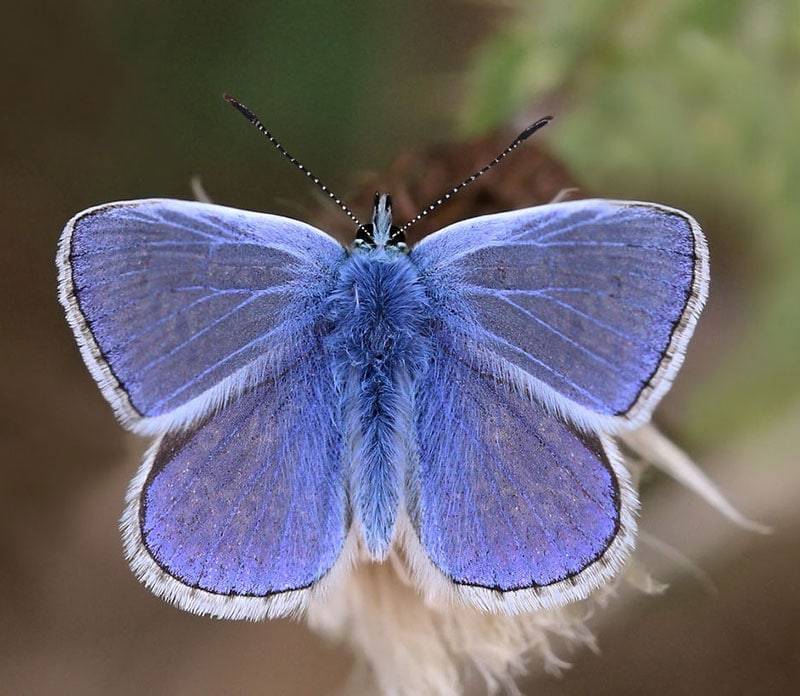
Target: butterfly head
[381, 233]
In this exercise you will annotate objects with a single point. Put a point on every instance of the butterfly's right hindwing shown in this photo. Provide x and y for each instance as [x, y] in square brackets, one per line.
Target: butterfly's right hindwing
[178, 306]
[510, 508]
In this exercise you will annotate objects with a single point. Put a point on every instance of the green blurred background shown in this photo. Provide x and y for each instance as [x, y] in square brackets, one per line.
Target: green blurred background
[692, 104]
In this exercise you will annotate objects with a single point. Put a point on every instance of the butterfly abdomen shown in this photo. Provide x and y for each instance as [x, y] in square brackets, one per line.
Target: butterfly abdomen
[378, 350]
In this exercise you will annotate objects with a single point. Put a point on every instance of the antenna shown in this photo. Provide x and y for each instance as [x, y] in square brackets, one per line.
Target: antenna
[522, 137]
[254, 120]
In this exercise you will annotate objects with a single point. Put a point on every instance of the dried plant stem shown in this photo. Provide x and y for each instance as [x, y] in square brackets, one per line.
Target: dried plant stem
[652, 446]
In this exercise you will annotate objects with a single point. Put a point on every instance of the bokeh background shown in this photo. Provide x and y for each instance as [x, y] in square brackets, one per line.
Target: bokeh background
[690, 103]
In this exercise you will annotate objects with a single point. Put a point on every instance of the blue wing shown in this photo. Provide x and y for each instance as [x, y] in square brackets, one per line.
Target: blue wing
[242, 514]
[588, 304]
[511, 508]
[178, 305]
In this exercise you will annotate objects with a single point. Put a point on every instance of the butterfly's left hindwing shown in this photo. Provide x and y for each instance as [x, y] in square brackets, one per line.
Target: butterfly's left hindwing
[510, 508]
[245, 514]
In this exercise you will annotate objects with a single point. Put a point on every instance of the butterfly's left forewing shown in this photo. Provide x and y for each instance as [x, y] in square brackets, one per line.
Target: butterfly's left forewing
[245, 514]
[178, 306]
[510, 508]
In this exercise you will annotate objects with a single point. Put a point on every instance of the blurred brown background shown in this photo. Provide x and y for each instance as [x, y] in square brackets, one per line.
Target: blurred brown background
[693, 104]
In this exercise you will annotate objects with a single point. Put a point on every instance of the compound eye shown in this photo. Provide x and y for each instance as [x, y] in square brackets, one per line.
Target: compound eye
[364, 237]
[397, 239]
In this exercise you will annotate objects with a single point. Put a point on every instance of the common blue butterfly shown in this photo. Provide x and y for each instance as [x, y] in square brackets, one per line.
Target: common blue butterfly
[456, 400]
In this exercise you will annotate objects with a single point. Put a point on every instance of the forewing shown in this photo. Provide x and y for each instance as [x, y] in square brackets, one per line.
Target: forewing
[178, 305]
[587, 304]
[243, 514]
[511, 508]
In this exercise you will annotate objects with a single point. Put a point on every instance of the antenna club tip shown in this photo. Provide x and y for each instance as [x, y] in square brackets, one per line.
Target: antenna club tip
[241, 108]
[535, 126]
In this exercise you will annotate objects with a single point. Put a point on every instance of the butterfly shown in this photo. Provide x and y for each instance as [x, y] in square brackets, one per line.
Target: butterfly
[314, 403]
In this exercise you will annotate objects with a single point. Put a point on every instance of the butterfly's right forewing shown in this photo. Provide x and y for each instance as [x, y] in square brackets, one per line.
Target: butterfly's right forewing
[588, 305]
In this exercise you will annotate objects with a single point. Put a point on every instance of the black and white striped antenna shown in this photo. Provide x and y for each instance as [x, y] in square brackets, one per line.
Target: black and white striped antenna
[522, 137]
[254, 120]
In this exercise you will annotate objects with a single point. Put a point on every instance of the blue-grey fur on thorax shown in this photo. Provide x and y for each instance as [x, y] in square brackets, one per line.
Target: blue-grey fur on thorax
[378, 350]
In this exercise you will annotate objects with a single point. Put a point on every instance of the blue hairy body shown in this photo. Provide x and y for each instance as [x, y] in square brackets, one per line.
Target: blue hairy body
[378, 351]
